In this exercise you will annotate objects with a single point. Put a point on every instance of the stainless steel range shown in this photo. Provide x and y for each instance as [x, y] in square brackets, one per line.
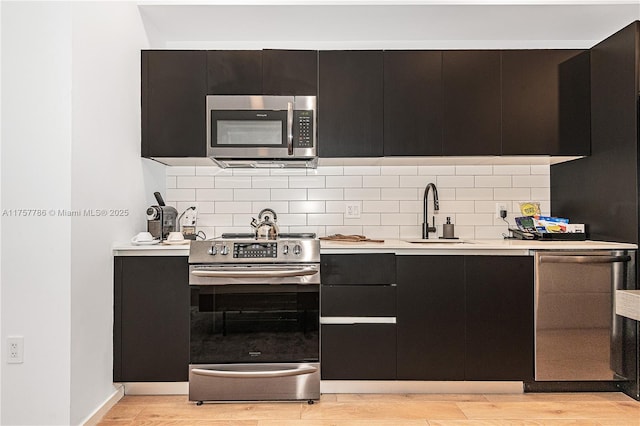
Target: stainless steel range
[254, 318]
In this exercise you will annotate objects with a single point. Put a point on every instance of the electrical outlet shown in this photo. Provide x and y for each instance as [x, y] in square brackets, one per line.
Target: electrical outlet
[190, 217]
[352, 210]
[499, 208]
[15, 347]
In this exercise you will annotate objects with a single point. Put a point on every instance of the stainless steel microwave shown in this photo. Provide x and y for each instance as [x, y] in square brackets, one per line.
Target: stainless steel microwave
[262, 131]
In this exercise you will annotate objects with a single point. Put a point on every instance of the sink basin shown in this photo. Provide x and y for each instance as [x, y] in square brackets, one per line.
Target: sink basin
[436, 241]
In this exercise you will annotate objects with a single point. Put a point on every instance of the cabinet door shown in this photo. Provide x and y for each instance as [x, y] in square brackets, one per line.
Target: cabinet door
[290, 72]
[545, 102]
[431, 317]
[151, 319]
[234, 72]
[358, 352]
[358, 269]
[499, 318]
[350, 109]
[412, 103]
[472, 101]
[174, 86]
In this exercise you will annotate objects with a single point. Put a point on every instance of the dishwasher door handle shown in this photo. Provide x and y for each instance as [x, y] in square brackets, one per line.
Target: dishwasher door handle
[584, 259]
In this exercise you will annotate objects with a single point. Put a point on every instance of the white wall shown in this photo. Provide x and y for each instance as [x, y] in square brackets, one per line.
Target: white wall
[36, 174]
[70, 140]
[390, 197]
[107, 174]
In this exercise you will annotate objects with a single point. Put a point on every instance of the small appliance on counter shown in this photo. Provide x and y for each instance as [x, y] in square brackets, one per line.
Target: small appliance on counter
[161, 219]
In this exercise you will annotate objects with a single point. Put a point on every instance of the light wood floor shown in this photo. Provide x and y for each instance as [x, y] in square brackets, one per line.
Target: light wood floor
[536, 409]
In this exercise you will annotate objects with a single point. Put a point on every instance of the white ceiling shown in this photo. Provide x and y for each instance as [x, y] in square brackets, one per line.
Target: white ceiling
[383, 24]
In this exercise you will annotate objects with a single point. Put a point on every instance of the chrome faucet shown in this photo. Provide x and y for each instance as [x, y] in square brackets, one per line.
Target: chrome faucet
[436, 206]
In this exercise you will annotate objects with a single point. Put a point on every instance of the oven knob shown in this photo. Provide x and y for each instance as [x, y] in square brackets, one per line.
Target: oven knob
[297, 249]
[285, 249]
[225, 250]
[213, 250]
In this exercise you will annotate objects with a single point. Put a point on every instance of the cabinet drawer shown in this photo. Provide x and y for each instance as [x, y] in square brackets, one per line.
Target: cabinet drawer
[358, 300]
[358, 352]
[358, 269]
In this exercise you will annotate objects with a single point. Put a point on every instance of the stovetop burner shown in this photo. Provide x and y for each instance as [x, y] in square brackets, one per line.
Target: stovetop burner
[293, 235]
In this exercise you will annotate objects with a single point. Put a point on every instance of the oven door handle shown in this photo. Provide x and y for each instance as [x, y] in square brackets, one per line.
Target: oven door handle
[256, 272]
[255, 374]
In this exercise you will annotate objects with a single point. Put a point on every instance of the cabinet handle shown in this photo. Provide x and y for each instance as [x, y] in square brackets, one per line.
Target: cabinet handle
[255, 374]
[584, 259]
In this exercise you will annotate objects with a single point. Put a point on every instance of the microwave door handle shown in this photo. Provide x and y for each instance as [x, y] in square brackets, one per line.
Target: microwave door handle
[290, 128]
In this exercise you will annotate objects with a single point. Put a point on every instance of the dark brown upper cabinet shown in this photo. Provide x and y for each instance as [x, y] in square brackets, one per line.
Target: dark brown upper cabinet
[412, 102]
[545, 102]
[350, 104]
[290, 72]
[234, 72]
[174, 85]
[471, 80]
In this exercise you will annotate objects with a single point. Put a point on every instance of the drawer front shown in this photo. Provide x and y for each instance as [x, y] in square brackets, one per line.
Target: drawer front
[358, 352]
[358, 269]
[358, 300]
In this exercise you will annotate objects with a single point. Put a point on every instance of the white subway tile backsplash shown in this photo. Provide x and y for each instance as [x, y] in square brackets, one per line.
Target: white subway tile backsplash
[455, 182]
[474, 194]
[399, 219]
[172, 182]
[195, 182]
[270, 182]
[343, 182]
[289, 194]
[493, 181]
[362, 194]
[436, 170]
[325, 194]
[390, 197]
[512, 194]
[474, 170]
[277, 206]
[214, 194]
[399, 170]
[173, 195]
[362, 170]
[380, 181]
[325, 219]
[250, 194]
[399, 194]
[511, 169]
[309, 206]
[381, 206]
[540, 169]
[233, 182]
[530, 181]
[233, 207]
[364, 219]
[306, 182]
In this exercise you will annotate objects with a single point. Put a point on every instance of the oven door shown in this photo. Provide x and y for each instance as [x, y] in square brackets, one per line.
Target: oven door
[254, 323]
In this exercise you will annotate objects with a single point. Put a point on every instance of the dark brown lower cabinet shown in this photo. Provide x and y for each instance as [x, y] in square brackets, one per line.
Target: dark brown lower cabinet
[465, 317]
[431, 317]
[358, 352]
[499, 318]
[151, 319]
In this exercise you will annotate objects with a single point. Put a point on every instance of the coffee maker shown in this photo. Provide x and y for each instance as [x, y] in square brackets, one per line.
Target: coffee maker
[161, 219]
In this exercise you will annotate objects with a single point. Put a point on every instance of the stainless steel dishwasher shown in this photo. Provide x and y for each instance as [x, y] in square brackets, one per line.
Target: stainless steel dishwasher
[578, 337]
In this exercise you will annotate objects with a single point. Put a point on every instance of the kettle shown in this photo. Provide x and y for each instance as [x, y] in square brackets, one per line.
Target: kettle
[265, 229]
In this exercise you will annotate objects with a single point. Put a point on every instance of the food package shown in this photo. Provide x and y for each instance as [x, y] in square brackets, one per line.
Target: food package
[530, 208]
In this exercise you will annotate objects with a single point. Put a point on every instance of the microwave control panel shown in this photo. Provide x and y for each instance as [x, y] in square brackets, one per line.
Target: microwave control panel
[303, 128]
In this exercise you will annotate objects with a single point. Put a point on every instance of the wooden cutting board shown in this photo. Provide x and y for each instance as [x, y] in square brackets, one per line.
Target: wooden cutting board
[350, 238]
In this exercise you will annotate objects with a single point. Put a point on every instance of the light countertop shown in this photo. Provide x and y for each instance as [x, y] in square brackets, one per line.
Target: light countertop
[402, 247]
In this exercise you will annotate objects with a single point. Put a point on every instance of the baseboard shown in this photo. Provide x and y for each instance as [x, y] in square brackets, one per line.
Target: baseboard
[156, 388]
[98, 414]
[407, 386]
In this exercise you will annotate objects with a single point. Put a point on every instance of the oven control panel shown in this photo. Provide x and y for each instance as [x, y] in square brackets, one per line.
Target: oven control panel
[254, 250]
